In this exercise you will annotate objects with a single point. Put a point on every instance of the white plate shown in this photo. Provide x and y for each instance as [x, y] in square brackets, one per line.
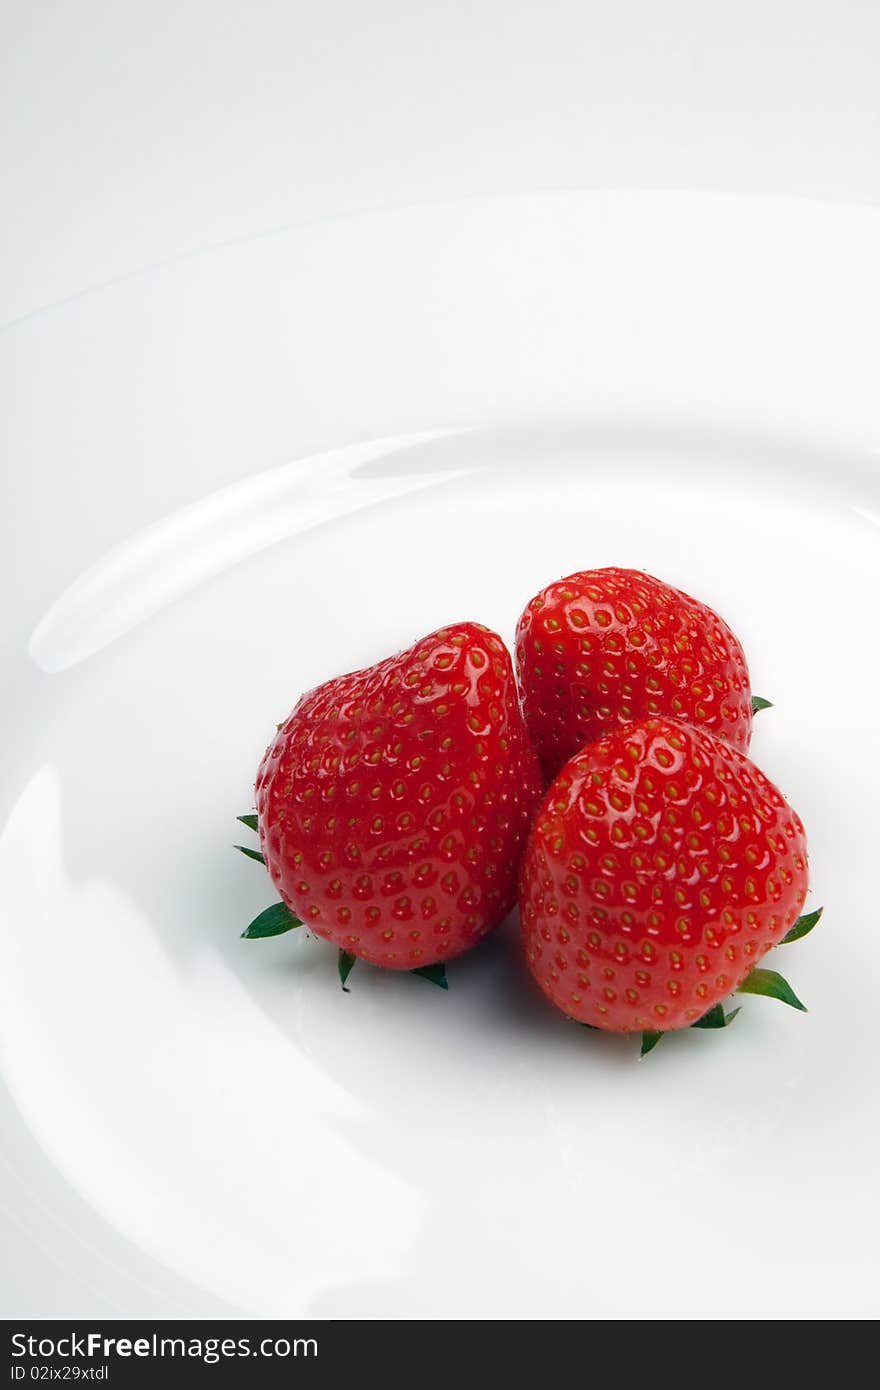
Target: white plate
[340, 438]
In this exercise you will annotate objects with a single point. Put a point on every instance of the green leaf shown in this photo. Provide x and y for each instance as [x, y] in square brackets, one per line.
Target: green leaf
[759, 703]
[251, 853]
[802, 927]
[249, 821]
[276, 919]
[592, 1026]
[771, 984]
[649, 1041]
[713, 1019]
[435, 973]
[346, 962]
[716, 1018]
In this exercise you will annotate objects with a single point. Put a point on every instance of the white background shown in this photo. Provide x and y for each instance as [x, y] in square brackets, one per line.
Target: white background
[134, 132]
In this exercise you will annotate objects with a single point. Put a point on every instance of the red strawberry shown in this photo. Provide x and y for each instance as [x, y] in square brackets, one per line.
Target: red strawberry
[661, 867]
[394, 802]
[604, 647]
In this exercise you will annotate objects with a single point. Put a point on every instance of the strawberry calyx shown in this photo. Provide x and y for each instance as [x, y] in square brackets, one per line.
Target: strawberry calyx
[716, 1018]
[273, 921]
[346, 965]
[251, 823]
[760, 981]
[771, 984]
[278, 919]
[802, 927]
[759, 703]
[251, 853]
[434, 974]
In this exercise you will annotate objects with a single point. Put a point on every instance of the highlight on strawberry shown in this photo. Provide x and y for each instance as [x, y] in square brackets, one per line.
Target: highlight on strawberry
[394, 803]
[661, 868]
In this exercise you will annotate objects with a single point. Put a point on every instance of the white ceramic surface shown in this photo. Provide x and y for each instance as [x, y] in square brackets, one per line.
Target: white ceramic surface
[237, 475]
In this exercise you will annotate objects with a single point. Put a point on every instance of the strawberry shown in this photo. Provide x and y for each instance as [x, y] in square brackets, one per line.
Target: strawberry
[661, 867]
[394, 803]
[604, 647]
